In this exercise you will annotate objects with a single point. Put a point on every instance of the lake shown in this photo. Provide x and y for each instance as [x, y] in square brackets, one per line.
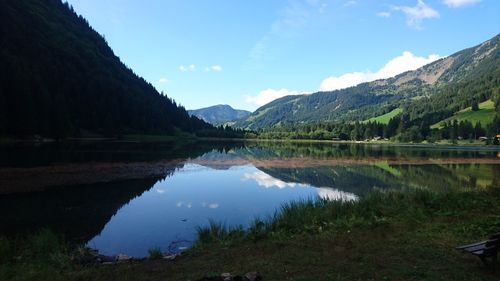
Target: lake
[130, 197]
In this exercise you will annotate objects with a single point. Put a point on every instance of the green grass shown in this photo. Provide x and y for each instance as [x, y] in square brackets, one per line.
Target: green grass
[386, 235]
[41, 256]
[485, 115]
[155, 253]
[385, 118]
[377, 208]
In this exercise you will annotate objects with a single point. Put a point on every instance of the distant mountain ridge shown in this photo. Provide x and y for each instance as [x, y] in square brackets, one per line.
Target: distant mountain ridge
[219, 114]
[434, 91]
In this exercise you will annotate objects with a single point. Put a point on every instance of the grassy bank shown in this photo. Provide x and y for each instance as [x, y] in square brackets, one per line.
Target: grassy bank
[386, 235]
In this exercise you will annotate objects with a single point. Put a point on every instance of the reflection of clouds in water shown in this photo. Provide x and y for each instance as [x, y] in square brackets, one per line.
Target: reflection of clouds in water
[211, 206]
[335, 194]
[267, 181]
[182, 204]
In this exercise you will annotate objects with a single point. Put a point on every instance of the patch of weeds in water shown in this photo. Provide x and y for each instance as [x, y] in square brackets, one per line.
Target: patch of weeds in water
[217, 232]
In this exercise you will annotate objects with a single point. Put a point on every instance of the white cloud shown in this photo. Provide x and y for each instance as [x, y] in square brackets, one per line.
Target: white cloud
[216, 67]
[268, 95]
[266, 180]
[163, 80]
[210, 206]
[460, 3]
[346, 80]
[417, 13]
[335, 194]
[182, 204]
[190, 67]
[384, 14]
[407, 61]
[160, 190]
[350, 3]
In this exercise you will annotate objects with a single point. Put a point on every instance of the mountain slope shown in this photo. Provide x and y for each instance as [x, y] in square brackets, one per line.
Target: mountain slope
[219, 114]
[451, 81]
[484, 115]
[58, 77]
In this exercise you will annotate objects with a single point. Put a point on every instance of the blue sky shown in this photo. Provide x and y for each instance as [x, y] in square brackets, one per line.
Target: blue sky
[245, 53]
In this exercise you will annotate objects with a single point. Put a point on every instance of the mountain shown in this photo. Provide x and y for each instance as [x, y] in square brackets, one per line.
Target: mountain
[59, 77]
[219, 114]
[434, 91]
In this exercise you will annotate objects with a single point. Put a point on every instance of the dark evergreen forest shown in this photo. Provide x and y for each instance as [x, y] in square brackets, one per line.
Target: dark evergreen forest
[59, 78]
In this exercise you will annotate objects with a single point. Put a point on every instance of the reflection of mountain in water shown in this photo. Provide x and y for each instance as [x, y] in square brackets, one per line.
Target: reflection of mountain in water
[81, 212]
[348, 179]
[359, 179]
[219, 159]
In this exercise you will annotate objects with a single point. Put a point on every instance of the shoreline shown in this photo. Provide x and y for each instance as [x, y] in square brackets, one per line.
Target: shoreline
[22, 180]
[169, 139]
[385, 236]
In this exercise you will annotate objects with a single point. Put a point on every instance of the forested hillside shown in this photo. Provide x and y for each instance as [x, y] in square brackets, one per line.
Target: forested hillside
[59, 77]
[427, 95]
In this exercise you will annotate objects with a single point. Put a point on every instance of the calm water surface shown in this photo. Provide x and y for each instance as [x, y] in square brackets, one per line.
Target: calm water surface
[232, 183]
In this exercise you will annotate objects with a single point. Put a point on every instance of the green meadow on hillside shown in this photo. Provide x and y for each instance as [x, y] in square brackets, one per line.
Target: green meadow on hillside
[384, 119]
[485, 115]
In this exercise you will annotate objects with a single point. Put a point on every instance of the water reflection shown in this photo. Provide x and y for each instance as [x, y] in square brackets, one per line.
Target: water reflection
[231, 183]
[267, 181]
[335, 194]
[191, 197]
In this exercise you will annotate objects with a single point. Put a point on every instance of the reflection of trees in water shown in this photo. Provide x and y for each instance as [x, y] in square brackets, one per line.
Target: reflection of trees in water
[81, 212]
[31, 156]
[445, 177]
[340, 150]
[495, 182]
[360, 179]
